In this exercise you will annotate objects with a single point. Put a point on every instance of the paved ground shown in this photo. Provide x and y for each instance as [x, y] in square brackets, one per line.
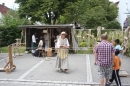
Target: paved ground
[125, 65]
[34, 71]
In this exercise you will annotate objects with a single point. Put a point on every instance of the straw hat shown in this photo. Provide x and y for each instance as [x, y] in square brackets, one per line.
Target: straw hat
[63, 33]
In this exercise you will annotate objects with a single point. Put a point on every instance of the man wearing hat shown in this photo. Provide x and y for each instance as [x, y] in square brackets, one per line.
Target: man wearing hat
[62, 53]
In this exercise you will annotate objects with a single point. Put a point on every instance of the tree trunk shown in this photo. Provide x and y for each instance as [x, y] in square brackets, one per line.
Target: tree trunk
[49, 17]
[55, 17]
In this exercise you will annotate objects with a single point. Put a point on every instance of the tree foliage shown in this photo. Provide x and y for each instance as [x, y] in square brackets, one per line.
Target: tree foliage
[91, 13]
[97, 13]
[9, 31]
[47, 11]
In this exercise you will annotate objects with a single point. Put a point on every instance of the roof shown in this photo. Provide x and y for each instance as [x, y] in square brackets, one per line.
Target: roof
[3, 9]
[46, 26]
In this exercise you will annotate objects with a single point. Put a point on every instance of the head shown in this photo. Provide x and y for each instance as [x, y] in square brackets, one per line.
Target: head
[41, 38]
[104, 37]
[63, 34]
[34, 33]
[117, 41]
[126, 18]
[117, 52]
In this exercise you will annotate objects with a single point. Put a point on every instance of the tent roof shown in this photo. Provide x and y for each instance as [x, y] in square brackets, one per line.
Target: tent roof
[46, 26]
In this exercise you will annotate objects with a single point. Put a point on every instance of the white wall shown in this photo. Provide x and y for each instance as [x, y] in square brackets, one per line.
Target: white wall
[122, 10]
[0, 15]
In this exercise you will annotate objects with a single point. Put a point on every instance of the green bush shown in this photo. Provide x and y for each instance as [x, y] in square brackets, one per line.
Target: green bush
[10, 31]
[94, 31]
[83, 44]
[113, 25]
[8, 35]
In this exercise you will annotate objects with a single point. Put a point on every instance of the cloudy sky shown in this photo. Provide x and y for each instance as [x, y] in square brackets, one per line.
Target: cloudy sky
[11, 4]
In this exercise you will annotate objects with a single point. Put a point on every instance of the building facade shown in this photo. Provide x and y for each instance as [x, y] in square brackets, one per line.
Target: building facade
[3, 10]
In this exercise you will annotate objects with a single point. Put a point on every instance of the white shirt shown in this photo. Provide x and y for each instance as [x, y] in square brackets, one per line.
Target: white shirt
[33, 39]
[40, 43]
[62, 42]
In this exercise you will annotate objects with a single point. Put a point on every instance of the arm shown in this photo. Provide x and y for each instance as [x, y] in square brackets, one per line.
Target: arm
[120, 49]
[113, 55]
[96, 55]
[58, 44]
[120, 63]
[67, 46]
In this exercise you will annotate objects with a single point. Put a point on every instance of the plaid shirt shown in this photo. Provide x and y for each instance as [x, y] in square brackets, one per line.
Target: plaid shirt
[104, 51]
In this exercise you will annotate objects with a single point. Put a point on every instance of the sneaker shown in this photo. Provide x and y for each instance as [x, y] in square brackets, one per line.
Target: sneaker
[108, 84]
[66, 71]
[60, 70]
[105, 84]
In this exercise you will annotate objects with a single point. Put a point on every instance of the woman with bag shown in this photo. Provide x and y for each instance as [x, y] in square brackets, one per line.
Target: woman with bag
[62, 53]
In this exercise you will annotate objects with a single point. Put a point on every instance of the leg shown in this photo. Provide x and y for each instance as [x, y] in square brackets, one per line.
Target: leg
[113, 77]
[107, 80]
[117, 78]
[101, 82]
[108, 74]
[101, 74]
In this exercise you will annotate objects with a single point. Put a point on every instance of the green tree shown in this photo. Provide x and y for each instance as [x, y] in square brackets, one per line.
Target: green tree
[48, 11]
[9, 31]
[98, 12]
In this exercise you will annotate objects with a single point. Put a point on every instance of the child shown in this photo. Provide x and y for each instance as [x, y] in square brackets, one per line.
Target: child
[116, 67]
[93, 51]
[117, 41]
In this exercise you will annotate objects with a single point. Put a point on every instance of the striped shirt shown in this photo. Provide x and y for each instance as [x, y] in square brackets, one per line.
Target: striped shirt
[104, 51]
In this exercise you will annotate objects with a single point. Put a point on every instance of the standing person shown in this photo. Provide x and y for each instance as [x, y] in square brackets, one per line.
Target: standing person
[117, 43]
[33, 44]
[104, 53]
[116, 68]
[62, 54]
[125, 24]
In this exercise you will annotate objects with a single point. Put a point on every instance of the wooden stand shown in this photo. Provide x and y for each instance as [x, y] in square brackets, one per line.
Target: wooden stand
[9, 65]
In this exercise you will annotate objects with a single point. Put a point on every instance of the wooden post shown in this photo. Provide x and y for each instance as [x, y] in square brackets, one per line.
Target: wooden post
[25, 36]
[48, 36]
[72, 35]
[89, 32]
[10, 56]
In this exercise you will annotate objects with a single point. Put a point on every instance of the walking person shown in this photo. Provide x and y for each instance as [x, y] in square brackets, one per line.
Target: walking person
[125, 24]
[116, 68]
[33, 44]
[117, 46]
[62, 53]
[104, 53]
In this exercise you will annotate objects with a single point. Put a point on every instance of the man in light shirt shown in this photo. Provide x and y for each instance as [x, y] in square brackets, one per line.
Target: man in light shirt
[33, 44]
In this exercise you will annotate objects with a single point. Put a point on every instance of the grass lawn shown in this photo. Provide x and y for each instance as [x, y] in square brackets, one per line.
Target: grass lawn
[5, 49]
